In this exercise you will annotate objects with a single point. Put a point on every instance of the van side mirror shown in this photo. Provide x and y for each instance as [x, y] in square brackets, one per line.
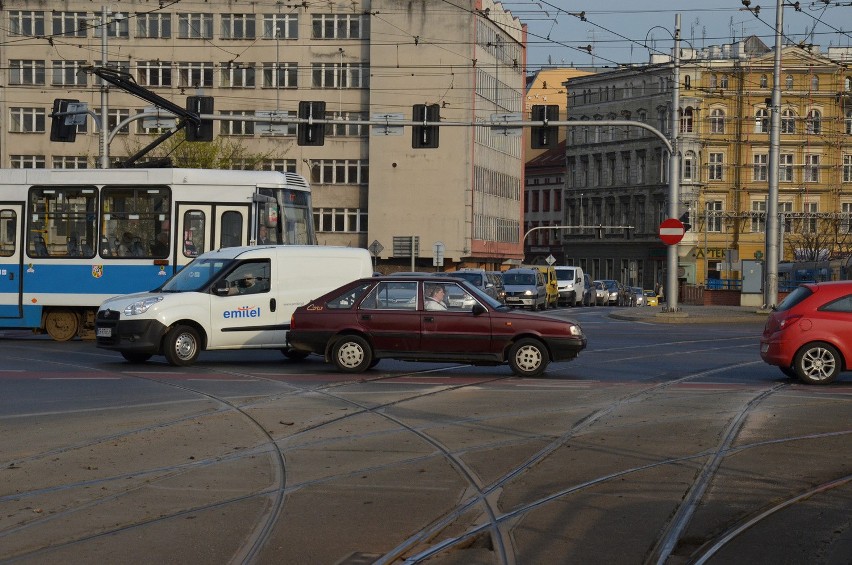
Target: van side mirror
[220, 288]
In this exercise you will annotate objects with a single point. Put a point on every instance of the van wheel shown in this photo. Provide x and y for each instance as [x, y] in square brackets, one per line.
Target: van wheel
[528, 358]
[135, 357]
[181, 346]
[352, 354]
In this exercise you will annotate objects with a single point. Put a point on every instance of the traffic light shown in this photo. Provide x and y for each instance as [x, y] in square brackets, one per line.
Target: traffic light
[424, 136]
[544, 137]
[311, 133]
[59, 129]
[199, 105]
[684, 219]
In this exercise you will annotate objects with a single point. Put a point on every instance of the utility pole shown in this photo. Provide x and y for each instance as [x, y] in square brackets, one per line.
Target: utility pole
[104, 93]
[770, 287]
[671, 290]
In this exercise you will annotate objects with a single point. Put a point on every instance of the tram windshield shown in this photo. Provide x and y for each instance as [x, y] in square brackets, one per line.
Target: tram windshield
[196, 275]
[286, 217]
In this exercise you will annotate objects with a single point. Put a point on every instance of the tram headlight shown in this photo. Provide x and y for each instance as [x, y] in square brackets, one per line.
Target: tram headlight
[141, 306]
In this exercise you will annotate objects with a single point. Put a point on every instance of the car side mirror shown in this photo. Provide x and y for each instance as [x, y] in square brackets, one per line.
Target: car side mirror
[478, 309]
[220, 288]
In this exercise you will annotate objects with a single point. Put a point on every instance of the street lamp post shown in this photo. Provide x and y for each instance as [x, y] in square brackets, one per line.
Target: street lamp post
[770, 298]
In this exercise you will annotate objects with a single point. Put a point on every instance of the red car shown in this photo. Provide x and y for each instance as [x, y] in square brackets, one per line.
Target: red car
[809, 335]
[428, 318]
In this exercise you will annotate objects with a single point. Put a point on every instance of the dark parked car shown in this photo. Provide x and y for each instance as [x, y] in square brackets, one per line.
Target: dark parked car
[478, 278]
[616, 294]
[497, 279]
[387, 318]
[809, 335]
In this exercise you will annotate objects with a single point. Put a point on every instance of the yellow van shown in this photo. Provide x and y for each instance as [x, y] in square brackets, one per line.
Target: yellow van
[551, 283]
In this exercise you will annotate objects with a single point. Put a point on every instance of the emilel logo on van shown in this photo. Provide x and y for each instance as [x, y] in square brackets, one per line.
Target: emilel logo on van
[243, 312]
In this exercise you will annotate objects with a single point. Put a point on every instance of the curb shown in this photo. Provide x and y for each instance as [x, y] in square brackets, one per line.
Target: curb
[745, 317]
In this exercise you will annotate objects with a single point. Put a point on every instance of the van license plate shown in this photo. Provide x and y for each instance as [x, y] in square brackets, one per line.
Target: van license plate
[104, 332]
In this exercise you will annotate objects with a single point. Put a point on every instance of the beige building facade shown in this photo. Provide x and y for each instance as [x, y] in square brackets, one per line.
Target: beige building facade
[364, 59]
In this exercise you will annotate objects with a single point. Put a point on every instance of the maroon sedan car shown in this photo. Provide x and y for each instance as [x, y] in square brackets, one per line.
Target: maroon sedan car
[809, 335]
[428, 318]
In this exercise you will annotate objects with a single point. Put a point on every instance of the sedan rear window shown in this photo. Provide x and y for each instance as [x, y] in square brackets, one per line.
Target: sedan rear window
[349, 298]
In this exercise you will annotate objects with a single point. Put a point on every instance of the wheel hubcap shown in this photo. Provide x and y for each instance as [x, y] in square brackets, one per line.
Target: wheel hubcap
[818, 364]
[528, 358]
[350, 355]
[185, 346]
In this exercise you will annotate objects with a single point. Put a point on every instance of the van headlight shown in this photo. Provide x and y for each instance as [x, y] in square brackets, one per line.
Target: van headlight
[141, 306]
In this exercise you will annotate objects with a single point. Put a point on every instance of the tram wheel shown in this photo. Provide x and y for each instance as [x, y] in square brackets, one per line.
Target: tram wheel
[61, 325]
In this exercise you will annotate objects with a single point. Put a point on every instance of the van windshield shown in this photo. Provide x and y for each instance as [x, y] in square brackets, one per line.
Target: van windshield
[196, 275]
[518, 278]
[565, 275]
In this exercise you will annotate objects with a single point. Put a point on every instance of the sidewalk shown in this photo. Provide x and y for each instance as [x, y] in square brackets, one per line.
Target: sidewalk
[689, 314]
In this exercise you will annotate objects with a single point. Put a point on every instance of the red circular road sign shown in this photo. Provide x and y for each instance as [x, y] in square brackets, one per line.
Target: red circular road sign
[671, 231]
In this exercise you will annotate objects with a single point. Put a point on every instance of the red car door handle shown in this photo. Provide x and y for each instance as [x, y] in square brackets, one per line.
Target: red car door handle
[429, 319]
[366, 317]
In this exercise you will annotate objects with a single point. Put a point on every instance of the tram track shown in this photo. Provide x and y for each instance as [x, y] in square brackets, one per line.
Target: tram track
[424, 544]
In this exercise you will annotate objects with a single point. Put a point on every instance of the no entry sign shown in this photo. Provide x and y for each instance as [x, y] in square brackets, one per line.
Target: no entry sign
[671, 231]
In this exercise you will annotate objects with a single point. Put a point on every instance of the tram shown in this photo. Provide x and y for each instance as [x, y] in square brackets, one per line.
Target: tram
[71, 238]
[792, 274]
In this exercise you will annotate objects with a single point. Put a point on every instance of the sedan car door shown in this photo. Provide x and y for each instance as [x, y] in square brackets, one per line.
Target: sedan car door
[456, 331]
[390, 317]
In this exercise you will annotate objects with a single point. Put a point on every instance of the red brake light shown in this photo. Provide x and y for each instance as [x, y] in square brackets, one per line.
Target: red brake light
[789, 321]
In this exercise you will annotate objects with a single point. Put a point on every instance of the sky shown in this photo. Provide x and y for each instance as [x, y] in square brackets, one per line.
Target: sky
[626, 31]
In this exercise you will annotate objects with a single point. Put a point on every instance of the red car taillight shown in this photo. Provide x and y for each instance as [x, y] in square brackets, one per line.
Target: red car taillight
[789, 321]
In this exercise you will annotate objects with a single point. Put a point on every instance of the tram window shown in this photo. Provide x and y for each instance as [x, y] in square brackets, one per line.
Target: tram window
[132, 218]
[194, 225]
[232, 229]
[62, 222]
[8, 230]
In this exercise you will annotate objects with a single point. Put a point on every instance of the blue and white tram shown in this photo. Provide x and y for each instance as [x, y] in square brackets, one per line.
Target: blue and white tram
[71, 238]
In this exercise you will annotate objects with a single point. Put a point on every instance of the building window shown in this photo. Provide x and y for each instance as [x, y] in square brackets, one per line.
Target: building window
[339, 171]
[785, 167]
[847, 168]
[195, 75]
[641, 165]
[714, 81]
[153, 25]
[280, 165]
[809, 222]
[67, 73]
[154, 73]
[758, 216]
[786, 211]
[70, 162]
[764, 81]
[342, 126]
[338, 26]
[237, 127]
[26, 72]
[723, 83]
[788, 121]
[814, 83]
[238, 26]
[26, 120]
[69, 24]
[761, 121]
[340, 75]
[848, 127]
[761, 167]
[286, 77]
[349, 220]
[688, 166]
[686, 121]
[788, 82]
[280, 26]
[26, 22]
[717, 121]
[116, 116]
[237, 77]
[846, 217]
[716, 171]
[280, 128]
[115, 28]
[812, 168]
[195, 26]
[27, 161]
[714, 215]
[814, 122]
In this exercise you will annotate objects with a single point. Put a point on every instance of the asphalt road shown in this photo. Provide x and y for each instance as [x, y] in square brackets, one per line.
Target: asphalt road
[661, 443]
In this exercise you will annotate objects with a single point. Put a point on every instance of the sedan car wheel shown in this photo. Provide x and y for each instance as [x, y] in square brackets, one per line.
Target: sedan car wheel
[352, 354]
[528, 358]
[817, 363]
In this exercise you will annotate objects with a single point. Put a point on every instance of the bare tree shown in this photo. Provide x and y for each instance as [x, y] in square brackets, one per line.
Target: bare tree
[223, 152]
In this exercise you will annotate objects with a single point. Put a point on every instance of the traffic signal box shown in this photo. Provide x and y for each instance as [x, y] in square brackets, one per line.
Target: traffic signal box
[544, 137]
[59, 131]
[199, 105]
[423, 136]
[311, 134]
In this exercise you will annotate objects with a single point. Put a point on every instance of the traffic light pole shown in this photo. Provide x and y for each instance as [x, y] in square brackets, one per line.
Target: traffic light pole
[671, 290]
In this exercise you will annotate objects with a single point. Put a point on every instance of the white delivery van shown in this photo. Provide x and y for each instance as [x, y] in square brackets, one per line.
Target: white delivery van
[570, 284]
[233, 298]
